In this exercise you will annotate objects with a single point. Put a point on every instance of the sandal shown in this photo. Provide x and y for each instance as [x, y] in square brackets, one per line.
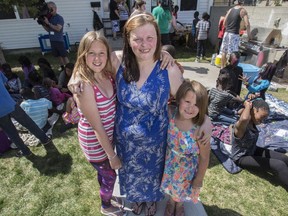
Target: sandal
[179, 210]
[138, 207]
[170, 208]
[151, 209]
[112, 211]
[117, 202]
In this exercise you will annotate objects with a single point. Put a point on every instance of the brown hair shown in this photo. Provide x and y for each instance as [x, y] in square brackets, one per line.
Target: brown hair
[201, 98]
[138, 3]
[81, 67]
[132, 72]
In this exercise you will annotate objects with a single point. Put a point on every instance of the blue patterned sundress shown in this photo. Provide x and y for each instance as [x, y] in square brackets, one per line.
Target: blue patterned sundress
[140, 134]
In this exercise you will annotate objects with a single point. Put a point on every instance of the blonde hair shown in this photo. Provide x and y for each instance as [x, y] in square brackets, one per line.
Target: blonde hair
[81, 67]
[201, 98]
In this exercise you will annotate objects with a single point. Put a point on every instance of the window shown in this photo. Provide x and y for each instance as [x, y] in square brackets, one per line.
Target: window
[188, 5]
[16, 12]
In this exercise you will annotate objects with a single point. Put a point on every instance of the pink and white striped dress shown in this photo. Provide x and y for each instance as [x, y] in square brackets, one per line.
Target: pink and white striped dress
[88, 141]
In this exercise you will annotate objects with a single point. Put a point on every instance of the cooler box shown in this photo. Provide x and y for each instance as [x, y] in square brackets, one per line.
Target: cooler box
[249, 71]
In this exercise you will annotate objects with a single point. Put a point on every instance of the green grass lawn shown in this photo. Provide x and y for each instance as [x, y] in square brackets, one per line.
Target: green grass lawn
[59, 181]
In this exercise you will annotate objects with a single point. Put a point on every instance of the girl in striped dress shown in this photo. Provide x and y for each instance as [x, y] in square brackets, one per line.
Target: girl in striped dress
[97, 106]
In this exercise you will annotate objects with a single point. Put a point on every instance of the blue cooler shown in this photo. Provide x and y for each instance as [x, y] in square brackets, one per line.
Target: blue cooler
[249, 71]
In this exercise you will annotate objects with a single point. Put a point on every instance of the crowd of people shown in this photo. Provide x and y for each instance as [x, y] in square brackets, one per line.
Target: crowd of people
[39, 94]
[121, 101]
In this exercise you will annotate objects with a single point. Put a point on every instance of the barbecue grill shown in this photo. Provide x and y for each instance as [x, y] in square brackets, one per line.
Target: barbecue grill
[264, 46]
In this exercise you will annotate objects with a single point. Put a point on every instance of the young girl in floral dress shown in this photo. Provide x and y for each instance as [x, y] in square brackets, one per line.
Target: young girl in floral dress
[186, 159]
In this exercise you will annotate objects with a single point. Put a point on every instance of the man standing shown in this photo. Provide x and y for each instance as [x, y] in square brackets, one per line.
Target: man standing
[163, 16]
[54, 26]
[231, 37]
[114, 17]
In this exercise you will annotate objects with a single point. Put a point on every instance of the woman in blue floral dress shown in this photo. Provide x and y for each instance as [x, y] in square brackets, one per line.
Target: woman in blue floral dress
[141, 122]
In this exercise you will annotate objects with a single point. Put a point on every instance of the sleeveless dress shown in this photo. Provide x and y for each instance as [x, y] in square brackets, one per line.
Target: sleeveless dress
[88, 141]
[141, 124]
[181, 164]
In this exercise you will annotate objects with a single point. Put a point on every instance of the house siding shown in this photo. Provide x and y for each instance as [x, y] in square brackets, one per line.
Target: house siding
[188, 16]
[78, 17]
[23, 33]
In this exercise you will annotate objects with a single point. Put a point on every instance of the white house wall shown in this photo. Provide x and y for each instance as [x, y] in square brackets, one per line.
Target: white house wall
[78, 16]
[188, 16]
[23, 33]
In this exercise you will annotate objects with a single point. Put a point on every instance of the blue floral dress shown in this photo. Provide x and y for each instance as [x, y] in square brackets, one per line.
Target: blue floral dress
[181, 164]
[140, 134]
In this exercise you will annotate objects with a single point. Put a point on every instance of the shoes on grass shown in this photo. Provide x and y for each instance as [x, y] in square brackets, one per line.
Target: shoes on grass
[13, 146]
[21, 154]
[49, 140]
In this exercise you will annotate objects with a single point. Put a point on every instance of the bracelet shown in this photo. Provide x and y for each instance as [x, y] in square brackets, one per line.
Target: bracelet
[111, 158]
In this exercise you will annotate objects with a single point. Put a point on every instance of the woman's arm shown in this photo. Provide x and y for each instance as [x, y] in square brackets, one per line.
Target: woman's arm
[88, 106]
[242, 123]
[175, 79]
[204, 156]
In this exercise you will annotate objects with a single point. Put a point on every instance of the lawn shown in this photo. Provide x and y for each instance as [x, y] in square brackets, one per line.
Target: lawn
[59, 181]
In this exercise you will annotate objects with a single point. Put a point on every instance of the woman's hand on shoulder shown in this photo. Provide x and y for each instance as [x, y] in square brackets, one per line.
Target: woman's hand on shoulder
[75, 85]
[166, 60]
[205, 131]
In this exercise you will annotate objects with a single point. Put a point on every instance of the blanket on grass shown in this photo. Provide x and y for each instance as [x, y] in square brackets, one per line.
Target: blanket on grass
[273, 134]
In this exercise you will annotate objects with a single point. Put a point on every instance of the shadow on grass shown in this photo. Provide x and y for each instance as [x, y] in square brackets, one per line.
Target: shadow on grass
[198, 70]
[53, 163]
[213, 160]
[270, 177]
[215, 210]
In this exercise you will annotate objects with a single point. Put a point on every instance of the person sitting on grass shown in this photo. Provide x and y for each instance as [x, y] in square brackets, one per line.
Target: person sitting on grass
[243, 136]
[219, 98]
[46, 69]
[27, 68]
[64, 78]
[235, 72]
[57, 97]
[262, 82]
[38, 89]
[13, 83]
[9, 109]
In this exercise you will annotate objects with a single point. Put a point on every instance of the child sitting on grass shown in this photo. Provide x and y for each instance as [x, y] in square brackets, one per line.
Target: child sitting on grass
[36, 109]
[57, 97]
[219, 98]
[243, 136]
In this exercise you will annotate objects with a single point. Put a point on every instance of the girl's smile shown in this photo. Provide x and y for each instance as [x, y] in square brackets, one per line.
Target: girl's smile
[96, 57]
[187, 106]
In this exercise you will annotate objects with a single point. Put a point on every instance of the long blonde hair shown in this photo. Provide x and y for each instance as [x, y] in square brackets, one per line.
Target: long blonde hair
[81, 67]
